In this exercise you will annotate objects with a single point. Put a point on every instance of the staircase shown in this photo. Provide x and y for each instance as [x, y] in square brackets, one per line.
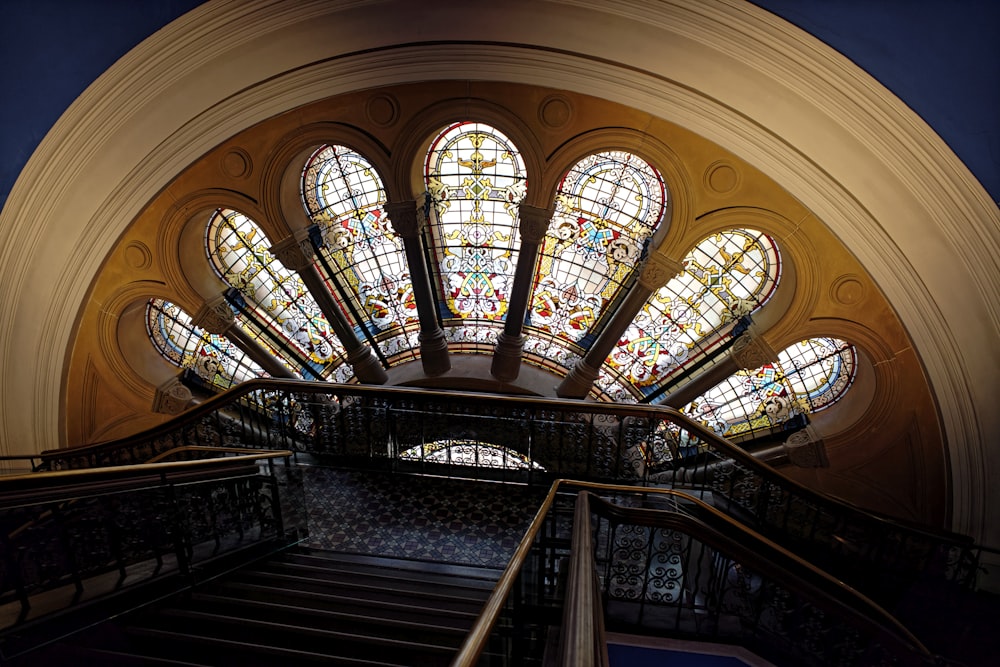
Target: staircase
[299, 607]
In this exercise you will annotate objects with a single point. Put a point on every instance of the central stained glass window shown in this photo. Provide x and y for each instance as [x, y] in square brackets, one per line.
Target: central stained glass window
[606, 210]
[476, 179]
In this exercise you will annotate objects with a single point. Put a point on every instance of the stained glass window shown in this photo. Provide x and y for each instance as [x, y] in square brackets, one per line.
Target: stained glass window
[470, 453]
[607, 208]
[728, 275]
[807, 377]
[213, 358]
[476, 179]
[279, 310]
[344, 195]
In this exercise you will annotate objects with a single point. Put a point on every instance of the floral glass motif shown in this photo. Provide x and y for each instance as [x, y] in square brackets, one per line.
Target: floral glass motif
[470, 453]
[344, 196]
[282, 309]
[210, 356]
[728, 275]
[475, 178]
[808, 376]
[607, 208]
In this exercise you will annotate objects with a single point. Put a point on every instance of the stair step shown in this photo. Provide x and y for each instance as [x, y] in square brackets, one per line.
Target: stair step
[283, 636]
[330, 601]
[344, 619]
[400, 580]
[224, 652]
[460, 600]
[365, 563]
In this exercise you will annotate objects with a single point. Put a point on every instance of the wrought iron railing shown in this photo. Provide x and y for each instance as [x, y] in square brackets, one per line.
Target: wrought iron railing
[398, 428]
[667, 569]
[71, 536]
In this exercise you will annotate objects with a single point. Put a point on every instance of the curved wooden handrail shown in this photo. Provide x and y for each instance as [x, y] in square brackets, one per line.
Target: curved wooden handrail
[846, 597]
[718, 443]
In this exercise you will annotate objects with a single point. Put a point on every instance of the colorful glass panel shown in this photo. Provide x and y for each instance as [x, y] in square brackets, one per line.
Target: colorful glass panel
[213, 358]
[344, 195]
[728, 275]
[607, 208]
[476, 178]
[470, 453]
[280, 308]
[807, 377]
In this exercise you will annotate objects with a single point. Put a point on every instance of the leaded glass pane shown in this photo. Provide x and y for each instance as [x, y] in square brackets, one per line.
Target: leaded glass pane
[807, 377]
[214, 358]
[728, 275]
[470, 453]
[476, 178]
[607, 208]
[344, 196]
[279, 308]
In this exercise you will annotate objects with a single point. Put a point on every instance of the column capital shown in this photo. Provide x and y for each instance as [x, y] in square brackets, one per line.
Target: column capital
[805, 449]
[533, 222]
[406, 217]
[507, 357]
[751, 351]
[657, 270]
[295, 252]
[171, 397]
[215, 316]
[366, 366]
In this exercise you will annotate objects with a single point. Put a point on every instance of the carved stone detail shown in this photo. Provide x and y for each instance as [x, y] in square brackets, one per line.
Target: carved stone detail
[295, 254]
[805, 449]
[751, 351]
[534, 223]
[579, 381]
[507, 357]
[171, 397]
[658, 270]
[215, 316]
[406, 217]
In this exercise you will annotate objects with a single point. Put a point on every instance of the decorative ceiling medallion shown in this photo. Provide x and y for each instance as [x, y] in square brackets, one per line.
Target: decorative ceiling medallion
[555, 111]
[138, 255]
[382, 110]
[848, 290]
[237, 163]
[722, 177]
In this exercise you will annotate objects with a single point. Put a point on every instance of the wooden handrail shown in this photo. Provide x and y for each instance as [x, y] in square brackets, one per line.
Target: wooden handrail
[583, 641]
[847, 596]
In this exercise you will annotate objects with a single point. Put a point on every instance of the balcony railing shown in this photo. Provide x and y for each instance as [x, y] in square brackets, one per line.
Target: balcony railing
[668, 565]
[395, 428]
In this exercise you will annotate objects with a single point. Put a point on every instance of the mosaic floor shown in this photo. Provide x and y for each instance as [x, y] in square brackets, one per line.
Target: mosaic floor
[448, 520]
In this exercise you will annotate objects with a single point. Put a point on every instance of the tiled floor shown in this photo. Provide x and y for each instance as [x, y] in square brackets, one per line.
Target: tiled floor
[448, 520]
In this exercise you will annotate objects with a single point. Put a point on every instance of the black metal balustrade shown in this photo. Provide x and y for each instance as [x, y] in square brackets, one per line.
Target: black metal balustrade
[670, 566]
[396, 428]
[80, 535]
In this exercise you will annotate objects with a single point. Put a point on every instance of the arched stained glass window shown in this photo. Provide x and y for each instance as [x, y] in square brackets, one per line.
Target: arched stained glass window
[279, 310]
[728, 275]
[807, 377]
[476, 178]
[470, 453]
[344, 196]
[213, 358]
[607, 208]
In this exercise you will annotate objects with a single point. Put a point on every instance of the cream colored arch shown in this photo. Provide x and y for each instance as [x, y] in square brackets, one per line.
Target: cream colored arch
[840, 143]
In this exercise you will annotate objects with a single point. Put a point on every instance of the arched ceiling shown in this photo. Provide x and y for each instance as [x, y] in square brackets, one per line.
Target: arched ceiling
[857, 158]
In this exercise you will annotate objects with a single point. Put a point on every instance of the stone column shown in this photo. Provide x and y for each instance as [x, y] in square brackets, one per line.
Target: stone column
[749, 352]
[534, 222]
[296, 253]
[217, 317]
[653, 275]
[408, 218]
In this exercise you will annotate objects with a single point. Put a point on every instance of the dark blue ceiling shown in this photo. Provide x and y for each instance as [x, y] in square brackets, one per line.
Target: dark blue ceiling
[941, 57]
